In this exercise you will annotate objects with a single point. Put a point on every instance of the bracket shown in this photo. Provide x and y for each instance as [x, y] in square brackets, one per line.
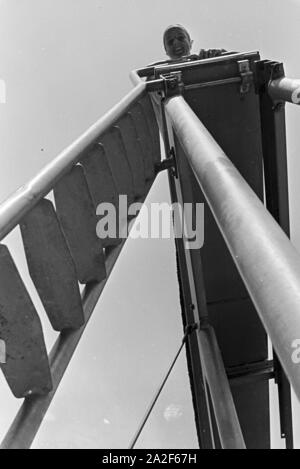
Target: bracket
[266, 71]
[173, 84]
[168, 163]
[246, 76]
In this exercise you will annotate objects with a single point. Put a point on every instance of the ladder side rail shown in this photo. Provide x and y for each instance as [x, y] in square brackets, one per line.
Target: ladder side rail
[267, 261]
[13, 209]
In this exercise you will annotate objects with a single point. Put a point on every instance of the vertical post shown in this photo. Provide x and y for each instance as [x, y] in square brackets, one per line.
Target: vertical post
[273, 130]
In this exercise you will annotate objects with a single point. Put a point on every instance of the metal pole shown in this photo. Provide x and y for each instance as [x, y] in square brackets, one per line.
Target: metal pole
[264, 256]
[16, 206]
[273, 132]
[135, 75]
[30, 416]
[285, 89]
[228, 424]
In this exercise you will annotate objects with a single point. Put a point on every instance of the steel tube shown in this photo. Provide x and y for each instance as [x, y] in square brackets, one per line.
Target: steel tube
[205, 350]
[228, 424]
[16, 206]
[263, 254]
[193, 293]
[285, 89]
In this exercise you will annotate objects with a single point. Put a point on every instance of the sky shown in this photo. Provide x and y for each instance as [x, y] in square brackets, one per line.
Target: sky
[66, 62]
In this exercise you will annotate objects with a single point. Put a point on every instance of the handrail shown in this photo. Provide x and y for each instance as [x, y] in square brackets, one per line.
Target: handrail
[19, 203]
[263, 254]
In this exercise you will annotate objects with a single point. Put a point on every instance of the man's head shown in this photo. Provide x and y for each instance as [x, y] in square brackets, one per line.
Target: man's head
[177, 42]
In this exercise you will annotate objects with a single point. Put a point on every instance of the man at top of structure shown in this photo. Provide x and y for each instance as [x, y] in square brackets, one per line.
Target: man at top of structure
[177, 42]
[178, 45]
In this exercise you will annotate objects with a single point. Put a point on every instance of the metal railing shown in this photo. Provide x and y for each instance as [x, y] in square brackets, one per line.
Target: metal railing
[266, 259]
[263, 254]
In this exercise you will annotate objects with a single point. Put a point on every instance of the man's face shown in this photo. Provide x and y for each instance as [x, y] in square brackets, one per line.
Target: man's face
[177, 43]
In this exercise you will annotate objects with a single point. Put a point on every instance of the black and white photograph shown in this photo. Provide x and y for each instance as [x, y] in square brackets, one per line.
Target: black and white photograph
[149, 227]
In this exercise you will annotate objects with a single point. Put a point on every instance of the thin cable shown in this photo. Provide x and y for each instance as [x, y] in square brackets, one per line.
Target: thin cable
[188, 331]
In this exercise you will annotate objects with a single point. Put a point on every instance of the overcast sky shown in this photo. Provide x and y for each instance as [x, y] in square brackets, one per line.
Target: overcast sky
[65, 62]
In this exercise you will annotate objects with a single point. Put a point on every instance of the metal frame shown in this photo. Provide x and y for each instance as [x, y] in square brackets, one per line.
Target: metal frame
[208, 372]
[187, 287]
[285, 89]
[250, 373]
[188, 291]
[156, 70]
[224, 424]
[31, 414]
[264, 256]
[274, 90]
[270, 82]
[216, 417]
